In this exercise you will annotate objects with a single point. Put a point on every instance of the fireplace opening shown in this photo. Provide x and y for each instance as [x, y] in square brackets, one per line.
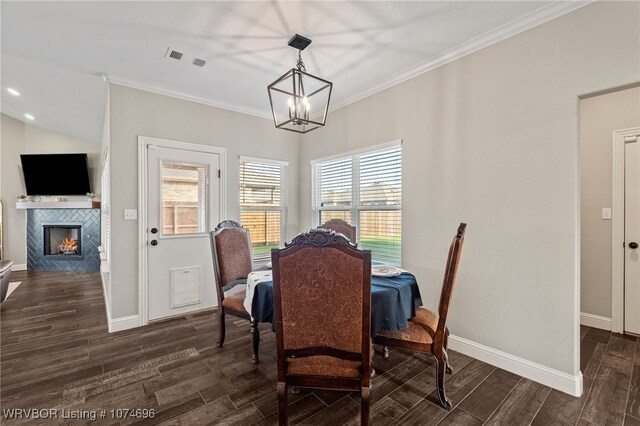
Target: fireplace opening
[62, 240]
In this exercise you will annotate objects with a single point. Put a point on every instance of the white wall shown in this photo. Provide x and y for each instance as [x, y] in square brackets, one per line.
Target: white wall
[137, 113]
[11, 185]
[492, 140]
[600, 116]
[20, 138]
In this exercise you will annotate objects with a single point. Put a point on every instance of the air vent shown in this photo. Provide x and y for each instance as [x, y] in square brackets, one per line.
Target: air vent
[175, 55]
[185, 57]
[199, 62]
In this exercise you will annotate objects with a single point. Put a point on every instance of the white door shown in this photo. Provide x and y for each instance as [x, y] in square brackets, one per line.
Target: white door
[183, 199]
[632, 235]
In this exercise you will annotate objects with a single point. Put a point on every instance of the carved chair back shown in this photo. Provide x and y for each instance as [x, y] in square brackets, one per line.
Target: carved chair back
[449, 280]
[339, 225]
[231, 251]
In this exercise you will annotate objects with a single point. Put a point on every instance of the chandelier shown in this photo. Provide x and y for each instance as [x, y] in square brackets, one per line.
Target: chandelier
[299, 101]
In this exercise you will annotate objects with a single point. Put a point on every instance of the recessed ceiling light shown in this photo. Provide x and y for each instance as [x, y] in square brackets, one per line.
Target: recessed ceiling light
[14, 92]
[29, 116]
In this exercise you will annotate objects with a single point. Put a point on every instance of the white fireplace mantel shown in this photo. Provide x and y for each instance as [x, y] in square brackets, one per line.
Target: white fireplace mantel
[22, 205]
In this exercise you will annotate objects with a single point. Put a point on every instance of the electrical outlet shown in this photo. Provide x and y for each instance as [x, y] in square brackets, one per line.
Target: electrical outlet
[606, 214]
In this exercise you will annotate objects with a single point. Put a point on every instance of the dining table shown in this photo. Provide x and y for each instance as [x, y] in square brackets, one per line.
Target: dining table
[394, 299]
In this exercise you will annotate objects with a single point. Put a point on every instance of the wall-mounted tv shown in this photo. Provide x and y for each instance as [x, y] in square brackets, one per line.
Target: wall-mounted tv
[56, 174]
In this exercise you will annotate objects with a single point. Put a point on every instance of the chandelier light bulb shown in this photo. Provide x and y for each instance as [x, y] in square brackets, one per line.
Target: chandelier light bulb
[307, 108]
[292, 108]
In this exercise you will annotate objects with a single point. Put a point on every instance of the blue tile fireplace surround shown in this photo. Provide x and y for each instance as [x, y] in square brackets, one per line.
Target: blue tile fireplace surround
[63, 240]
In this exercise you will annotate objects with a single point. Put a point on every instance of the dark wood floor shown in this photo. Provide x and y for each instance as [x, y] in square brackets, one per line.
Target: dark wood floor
[56, 354]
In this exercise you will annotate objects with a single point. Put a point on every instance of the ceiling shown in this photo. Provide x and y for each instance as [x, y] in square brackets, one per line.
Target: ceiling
[57, 53]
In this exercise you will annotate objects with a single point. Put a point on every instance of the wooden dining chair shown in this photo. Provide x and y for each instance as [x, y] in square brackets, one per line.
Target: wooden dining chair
[339, 225]
[232, 263]
[427, 331]
[322, 301]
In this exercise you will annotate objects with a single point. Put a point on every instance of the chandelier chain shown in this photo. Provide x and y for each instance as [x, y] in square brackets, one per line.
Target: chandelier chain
[300, 64]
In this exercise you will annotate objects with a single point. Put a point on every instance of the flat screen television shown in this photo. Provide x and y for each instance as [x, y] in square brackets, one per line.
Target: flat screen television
[55, 174]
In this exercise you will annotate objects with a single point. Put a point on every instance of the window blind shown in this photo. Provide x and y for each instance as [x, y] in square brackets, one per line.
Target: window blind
[336, 183]
[366, 191]
[262, 205]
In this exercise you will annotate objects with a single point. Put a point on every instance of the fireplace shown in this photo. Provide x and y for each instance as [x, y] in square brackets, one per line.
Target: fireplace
[62, 240]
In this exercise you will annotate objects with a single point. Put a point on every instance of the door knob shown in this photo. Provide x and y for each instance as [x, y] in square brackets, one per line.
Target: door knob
[633, 245]
[154, 230]
[154, 242]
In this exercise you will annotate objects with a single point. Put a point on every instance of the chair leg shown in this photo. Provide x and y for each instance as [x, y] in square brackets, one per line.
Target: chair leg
[365, 406]
[282, 403]
[449, 369]
[372, 370]
[441, 363]
[385, 352]
[255, 340]
[220, 327]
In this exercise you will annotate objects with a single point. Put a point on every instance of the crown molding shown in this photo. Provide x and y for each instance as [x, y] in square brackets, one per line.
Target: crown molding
[175, 93]
[510, 29]
[533, 19]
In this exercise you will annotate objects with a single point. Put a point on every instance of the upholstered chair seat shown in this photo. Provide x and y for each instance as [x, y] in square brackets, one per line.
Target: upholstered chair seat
[323, 366]
[421, 328]
[234, 301]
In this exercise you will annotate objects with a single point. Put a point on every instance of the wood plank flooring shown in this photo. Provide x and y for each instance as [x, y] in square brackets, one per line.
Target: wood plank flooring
[56, 353]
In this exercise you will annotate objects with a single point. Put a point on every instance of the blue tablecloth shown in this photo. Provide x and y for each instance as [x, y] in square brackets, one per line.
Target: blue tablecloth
[393, 302]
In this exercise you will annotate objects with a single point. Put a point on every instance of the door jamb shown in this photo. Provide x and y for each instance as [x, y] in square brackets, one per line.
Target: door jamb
[617, 229]
[143, 142]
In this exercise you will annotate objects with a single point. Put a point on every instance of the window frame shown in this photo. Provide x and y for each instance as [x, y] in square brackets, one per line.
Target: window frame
[203, 204]
[354, 210]
[282, 208]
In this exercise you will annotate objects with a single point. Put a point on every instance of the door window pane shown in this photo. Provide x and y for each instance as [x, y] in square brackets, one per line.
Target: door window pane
[183, 199]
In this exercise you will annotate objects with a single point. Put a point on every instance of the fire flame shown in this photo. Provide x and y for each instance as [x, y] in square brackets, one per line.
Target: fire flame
[69, 244]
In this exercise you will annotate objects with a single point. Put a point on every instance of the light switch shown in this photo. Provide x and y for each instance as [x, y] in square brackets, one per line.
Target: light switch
[606, 213]
[130, 214]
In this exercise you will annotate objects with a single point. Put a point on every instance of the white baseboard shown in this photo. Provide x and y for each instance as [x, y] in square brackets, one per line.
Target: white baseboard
[116, 324]
[595, 321]
[539, 373]
[19, 267]
[124, 323]
[104, 277]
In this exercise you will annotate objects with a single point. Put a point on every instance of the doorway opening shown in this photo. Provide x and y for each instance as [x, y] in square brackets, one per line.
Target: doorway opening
[600, 116]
